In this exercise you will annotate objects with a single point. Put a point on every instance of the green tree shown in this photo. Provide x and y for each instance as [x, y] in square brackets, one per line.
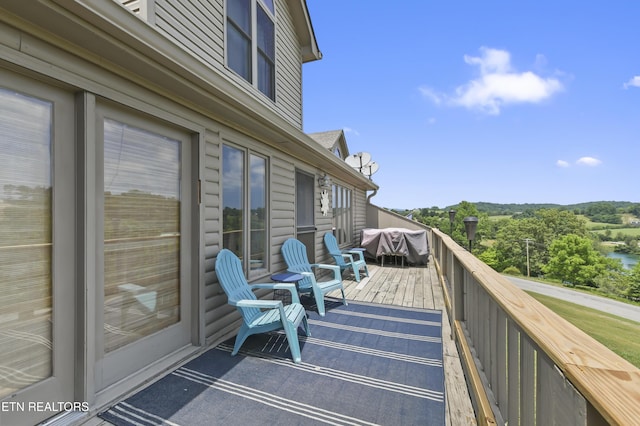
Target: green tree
[466, 209]
[633, 292]
[428, 217]
[603, 212]
[562, 222]
[510, 246]
[634, 209]
[490, 257]
[601, 208]
[540, 229]
[573, 258]
[613, 280]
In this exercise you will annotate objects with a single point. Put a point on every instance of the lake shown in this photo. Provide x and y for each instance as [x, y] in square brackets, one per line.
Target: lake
[628, 260]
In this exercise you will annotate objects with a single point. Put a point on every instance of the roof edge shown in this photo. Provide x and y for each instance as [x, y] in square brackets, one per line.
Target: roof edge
[304, 29]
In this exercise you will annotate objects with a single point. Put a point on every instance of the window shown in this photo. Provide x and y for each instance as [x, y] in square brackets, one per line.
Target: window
[251, 42]
[342, 214]
[142, 200]
[304, 202]
[305, 215]
[239, 37]
[244, 211]
[25, 240]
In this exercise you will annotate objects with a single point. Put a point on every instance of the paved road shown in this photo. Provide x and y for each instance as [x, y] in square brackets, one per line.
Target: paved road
[614, 307]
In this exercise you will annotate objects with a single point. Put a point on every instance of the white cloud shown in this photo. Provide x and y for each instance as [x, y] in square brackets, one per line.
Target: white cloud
[562, 163]
[499, 84]
[431, 94]
[492, 61]
[634, 82]
[350, 130]
[541, 62]
[588, 161]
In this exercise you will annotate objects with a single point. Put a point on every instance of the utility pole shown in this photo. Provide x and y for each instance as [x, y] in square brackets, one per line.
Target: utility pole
[528, 240]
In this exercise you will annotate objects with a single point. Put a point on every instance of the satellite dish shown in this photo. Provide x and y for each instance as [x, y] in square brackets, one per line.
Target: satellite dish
[359, 160]
[370, 169]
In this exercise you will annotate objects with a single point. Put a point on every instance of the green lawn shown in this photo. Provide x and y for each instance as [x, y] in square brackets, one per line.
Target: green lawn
[632, 232]
[618, 334]
[499, 217]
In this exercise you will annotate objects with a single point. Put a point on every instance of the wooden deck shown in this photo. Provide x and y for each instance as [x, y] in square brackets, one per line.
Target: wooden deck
[418, 287]
[413, 287]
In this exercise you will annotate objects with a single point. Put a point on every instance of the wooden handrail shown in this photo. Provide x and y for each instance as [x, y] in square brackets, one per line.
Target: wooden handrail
[609, 384]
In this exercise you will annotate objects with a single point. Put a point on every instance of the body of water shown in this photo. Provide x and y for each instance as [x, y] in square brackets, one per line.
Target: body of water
[628, 260]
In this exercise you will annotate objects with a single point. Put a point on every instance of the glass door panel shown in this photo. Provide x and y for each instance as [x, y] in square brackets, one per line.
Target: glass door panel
[141, 233]
[144, 304]
[258, 219]
[244, 211]
[37, 280]
[26, 350]
[233, 200]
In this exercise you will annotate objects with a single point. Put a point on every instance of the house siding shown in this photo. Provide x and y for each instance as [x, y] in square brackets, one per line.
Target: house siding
[123, 77]
[289, 67]
[197, 26]
[282, 207]
[216, 321]
[359, 214]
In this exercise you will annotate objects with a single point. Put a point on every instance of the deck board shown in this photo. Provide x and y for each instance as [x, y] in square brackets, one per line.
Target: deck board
[418, 287]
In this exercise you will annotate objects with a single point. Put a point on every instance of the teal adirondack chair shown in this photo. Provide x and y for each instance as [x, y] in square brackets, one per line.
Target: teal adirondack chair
[346, 259]
[295, 255]
[260, 316]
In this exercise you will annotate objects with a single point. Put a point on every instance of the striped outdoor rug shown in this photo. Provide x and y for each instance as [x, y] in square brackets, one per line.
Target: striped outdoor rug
[363, 364]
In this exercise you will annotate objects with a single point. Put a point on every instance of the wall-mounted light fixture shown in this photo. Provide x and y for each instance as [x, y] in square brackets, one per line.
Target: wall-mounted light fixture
[324, 181]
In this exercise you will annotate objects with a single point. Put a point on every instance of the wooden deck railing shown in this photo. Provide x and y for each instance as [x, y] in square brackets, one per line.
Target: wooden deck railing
[525, 365]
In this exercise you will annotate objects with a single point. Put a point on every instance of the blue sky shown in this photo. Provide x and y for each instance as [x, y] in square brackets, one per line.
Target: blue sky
[495, 101]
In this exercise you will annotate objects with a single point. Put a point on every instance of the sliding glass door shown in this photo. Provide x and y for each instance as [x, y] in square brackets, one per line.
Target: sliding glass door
[145, 187]
[36, 249]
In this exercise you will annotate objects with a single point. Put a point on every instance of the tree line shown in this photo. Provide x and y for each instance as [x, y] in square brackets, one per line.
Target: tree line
[496, 209]
[546, 242]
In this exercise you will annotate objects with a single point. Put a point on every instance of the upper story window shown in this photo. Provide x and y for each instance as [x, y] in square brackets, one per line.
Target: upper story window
[251, 42]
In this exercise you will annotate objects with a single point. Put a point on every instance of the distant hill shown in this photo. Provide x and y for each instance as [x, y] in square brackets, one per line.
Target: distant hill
[495, 209]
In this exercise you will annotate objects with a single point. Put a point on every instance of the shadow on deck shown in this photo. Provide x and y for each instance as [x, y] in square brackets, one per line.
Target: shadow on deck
[418, 287]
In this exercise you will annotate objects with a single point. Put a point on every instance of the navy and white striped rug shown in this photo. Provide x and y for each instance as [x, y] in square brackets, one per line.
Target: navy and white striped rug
[363, 364]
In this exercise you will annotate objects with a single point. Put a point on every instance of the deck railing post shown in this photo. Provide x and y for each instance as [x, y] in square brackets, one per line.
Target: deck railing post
[456, 281]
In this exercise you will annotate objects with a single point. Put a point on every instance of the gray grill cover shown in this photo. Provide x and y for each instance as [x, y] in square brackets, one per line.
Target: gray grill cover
[397, 241]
